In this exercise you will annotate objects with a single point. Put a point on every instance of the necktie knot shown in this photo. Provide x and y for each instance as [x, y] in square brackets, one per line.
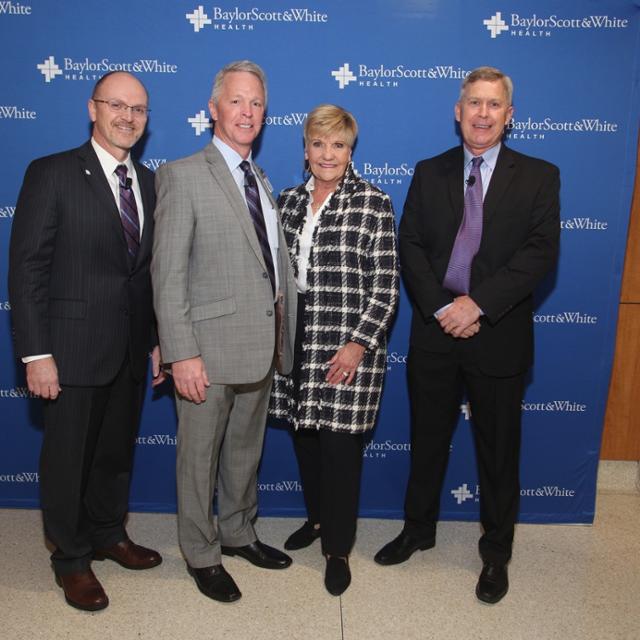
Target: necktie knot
[249, 178]
[476, 162]
[121, 172]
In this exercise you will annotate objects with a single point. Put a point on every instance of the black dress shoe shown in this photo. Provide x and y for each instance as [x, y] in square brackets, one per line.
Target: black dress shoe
[402, 548]
[215, 583]
[337, 576]
[260, 554]
[493, 583]
[302, 537]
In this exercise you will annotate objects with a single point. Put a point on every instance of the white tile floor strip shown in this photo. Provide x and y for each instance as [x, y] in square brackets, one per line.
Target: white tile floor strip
[566, 583]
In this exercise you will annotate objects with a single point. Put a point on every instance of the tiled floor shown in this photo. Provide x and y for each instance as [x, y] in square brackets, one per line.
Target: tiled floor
[567, 583]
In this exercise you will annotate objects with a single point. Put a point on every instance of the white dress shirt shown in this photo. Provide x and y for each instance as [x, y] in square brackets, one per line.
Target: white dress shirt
[306, 237]
[109, 164]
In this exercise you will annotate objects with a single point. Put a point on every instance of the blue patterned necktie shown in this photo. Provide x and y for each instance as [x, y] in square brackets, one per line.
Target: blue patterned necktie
[469, 235]
[128, 212]
[255, 209]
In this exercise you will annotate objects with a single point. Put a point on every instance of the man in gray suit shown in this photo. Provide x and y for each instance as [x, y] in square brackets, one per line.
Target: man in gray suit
[225, 302]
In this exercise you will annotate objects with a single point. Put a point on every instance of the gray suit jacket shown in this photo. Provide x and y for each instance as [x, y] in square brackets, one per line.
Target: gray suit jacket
[211, 292]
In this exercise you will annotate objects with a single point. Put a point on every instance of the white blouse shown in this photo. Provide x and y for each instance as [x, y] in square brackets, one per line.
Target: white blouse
[306, 237]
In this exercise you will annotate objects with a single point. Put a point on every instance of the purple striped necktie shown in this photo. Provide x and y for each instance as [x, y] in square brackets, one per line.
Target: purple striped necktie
[255, 209]
[469, 235]
[128, 212]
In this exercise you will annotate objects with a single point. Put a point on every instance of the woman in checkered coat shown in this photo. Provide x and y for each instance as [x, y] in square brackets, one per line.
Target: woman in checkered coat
[341, 238]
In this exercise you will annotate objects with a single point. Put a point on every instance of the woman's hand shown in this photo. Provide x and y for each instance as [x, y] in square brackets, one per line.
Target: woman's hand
[344, 363]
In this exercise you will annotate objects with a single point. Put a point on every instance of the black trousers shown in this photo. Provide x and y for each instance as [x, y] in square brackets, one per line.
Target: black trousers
[330, 465]
[85, 467]
[436, 385]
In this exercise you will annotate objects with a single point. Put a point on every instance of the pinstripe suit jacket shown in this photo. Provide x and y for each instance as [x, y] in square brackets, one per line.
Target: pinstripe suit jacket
[72, 290]
[212, 294]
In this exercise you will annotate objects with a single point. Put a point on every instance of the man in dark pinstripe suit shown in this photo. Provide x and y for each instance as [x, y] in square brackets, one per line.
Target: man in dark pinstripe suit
[81, 301]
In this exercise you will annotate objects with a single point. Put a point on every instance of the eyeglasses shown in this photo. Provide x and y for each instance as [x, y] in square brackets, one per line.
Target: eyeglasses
[138, 110]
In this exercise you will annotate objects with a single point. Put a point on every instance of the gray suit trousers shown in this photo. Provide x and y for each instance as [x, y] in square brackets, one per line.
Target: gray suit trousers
[219, 446]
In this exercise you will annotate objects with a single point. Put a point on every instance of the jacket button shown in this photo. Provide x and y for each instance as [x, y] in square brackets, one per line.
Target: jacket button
[270, 313]
[264, 274]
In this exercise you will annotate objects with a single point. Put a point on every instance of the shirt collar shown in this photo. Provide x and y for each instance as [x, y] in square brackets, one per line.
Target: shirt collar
[489, 157]
[310, 184]
[231, 156]
[109, 163]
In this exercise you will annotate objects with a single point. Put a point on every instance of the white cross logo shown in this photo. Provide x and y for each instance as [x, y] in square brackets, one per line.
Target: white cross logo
[343, 75]
[496, 24]
[200, 122]
[462, 493]
[198, 18]
[49, 69]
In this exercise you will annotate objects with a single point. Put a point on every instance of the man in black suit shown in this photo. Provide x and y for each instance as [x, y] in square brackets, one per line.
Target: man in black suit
[81, 300]
[471, 257]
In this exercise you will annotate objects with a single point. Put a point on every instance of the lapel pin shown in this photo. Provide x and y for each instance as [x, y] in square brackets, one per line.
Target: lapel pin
[87, 172]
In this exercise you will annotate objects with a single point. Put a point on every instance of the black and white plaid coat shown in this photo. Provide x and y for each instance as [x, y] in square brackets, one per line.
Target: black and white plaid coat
[352, 292]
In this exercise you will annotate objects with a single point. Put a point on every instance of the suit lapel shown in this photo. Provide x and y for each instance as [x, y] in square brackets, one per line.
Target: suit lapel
[282, 253]
[222, 175]
[94, 175]
[454, 169]
[97, 181]
[502, 176]
[266, 185]
[147, 204]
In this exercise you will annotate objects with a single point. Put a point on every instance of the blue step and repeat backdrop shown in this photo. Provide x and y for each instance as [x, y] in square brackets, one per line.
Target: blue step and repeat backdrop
[397, 65]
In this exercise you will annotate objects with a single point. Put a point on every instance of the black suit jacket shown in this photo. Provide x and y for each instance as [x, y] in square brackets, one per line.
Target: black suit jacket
[520, 243]
[73, 291]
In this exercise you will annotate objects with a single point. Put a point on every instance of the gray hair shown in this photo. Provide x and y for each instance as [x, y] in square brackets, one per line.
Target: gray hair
[490, 74]
[232, 67]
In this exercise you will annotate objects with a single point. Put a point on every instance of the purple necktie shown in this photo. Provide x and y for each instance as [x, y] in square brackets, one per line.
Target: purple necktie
[255, 209]
[128, 212]
[469, 235]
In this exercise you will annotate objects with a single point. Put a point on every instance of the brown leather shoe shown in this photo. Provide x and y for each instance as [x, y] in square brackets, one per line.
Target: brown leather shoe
[83, 591]
[130, 555]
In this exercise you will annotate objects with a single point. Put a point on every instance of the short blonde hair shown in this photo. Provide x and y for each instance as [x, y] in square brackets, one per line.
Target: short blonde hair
[491, 74]
[327, 119]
